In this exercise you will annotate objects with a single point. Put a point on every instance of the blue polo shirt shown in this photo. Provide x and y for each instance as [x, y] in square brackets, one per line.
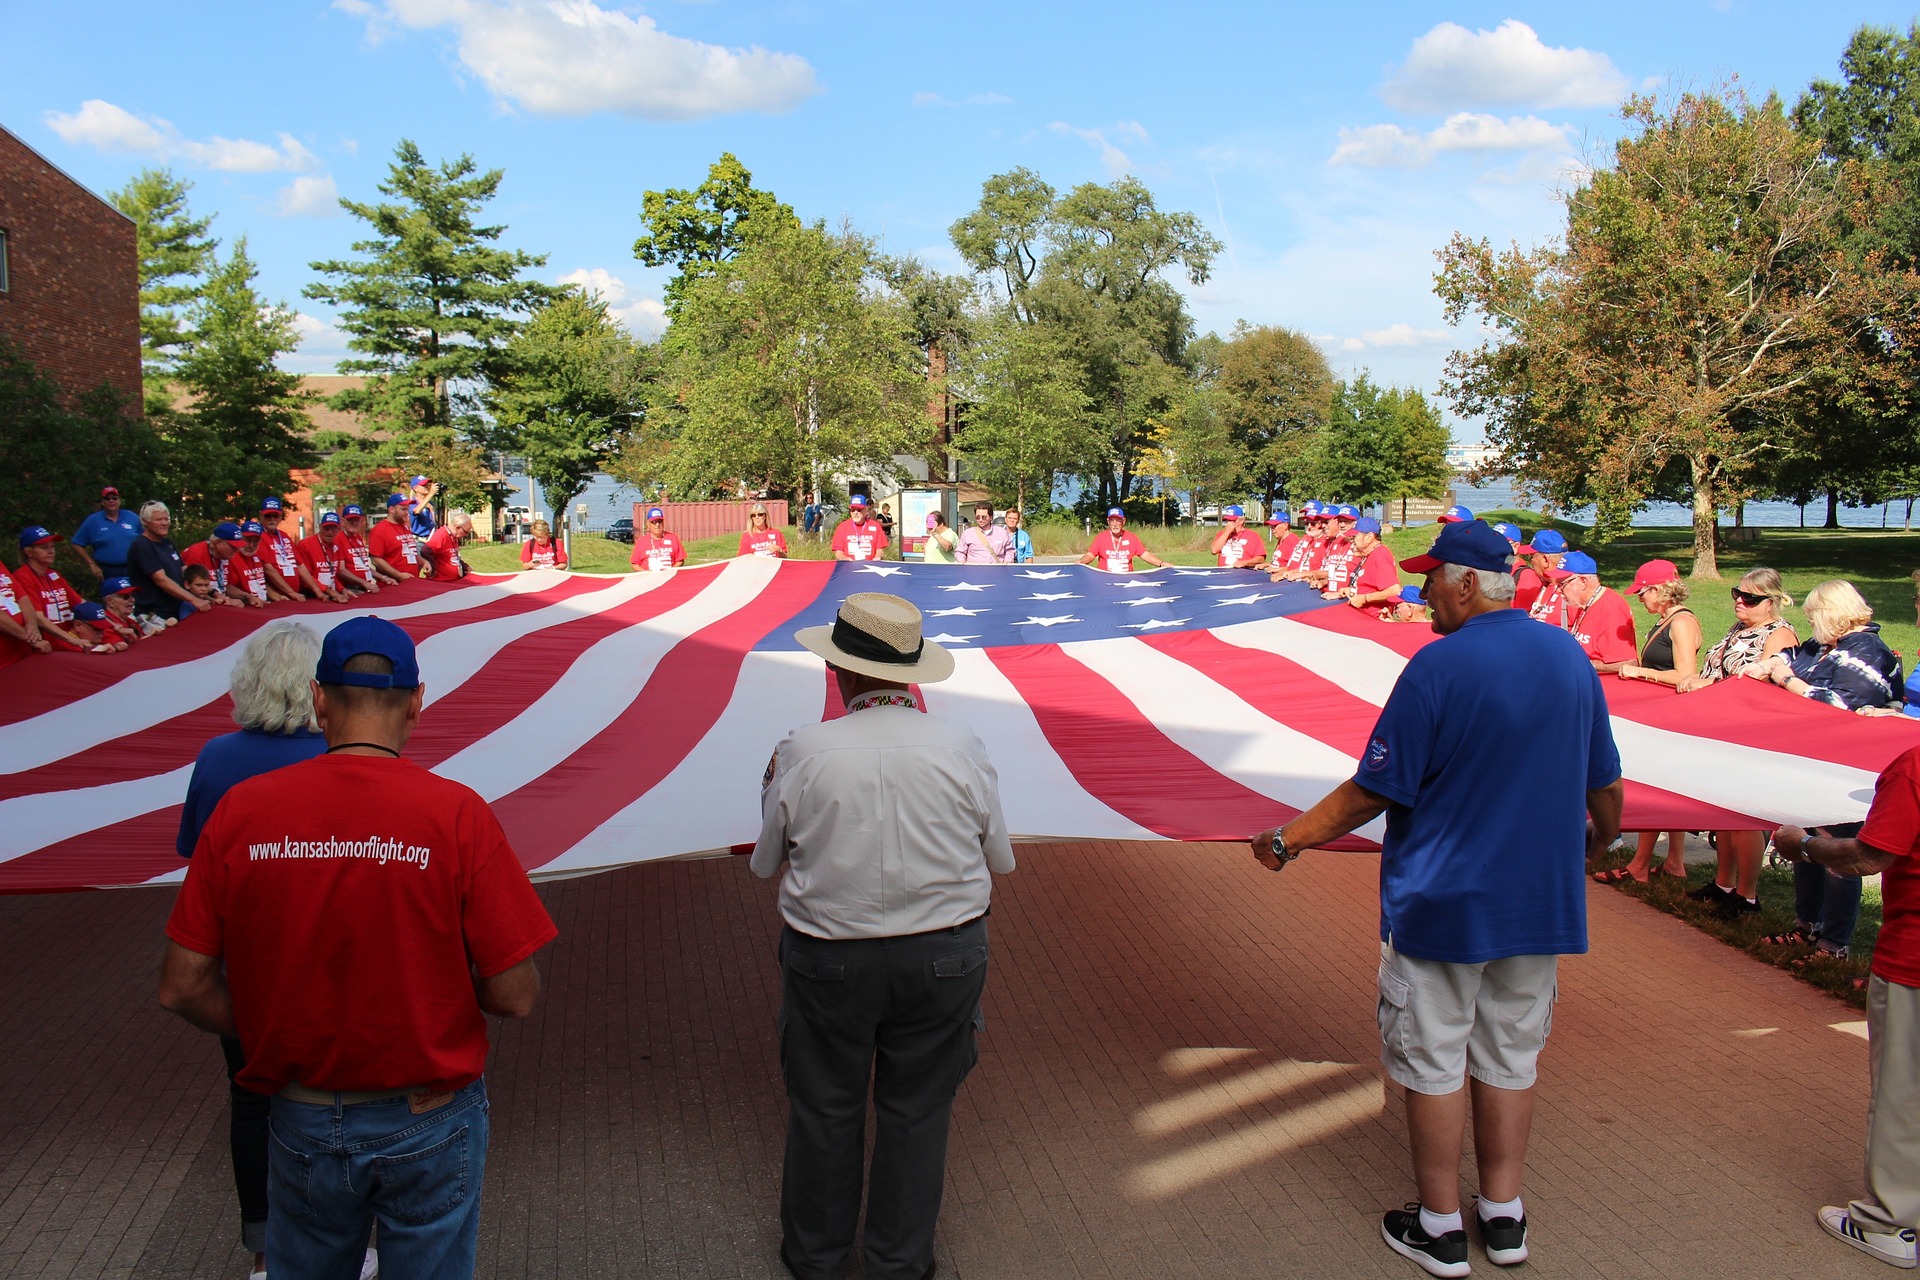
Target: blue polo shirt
[230, 759]
[107, 540]
[1470, 871]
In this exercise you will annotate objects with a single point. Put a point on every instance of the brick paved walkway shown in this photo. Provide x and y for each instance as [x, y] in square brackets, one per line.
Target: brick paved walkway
[1179, 1078]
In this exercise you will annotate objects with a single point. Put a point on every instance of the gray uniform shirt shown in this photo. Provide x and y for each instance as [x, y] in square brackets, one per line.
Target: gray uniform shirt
[887, 820]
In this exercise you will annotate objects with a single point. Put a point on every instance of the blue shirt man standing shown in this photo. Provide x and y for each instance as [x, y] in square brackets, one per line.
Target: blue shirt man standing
[1479, 897]
[104, 537]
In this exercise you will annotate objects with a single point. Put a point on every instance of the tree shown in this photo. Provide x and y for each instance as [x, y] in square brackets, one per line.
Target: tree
[56, 454]
[430, 304]
[1358, 456]
[175, 252]
[570, 394]
[1422, 470]
[1027, 411]
[1705, 295]
[1006, 234]
[1275, 395]
[243, 423]
[787, 362]
[695, 231]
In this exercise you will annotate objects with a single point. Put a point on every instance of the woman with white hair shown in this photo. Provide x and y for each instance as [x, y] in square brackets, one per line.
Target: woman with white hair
[272, 693]
[1846, 665]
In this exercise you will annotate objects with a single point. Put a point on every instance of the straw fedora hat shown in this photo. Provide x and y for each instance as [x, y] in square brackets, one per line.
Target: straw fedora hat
[878, 635]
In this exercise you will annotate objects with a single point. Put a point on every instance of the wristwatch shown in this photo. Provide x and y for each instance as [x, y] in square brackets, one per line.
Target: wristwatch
[1278, 845]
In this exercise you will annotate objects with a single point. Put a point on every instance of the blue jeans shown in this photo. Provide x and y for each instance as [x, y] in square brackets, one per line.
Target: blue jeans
[1826, 903]
[334, 1169]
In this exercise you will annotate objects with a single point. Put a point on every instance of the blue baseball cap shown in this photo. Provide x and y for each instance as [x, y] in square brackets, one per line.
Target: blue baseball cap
[1116, 511]
[1366, 524]
[417, 481]
[116, 587]
[1575, 563]
[271, 504]
[1410, 594]
[1280, 516]
[226, 531]
[252, 529]
[37, 534]
[1345, 512]
[1454, 515]
[1472, 543]
[857, 500]
[368, 634]
[398, 500]
[352, 509]
[329, 517]
[88, 611]
[655, 513]
[1511, 532]
[1548, 542]
[1235, 513]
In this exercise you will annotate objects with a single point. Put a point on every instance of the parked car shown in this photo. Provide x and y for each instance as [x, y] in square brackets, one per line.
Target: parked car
[620, 530]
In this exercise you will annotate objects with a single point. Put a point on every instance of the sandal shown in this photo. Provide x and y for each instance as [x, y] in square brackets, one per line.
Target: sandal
[1794, 937]
[1616, 876]
[1801, 963]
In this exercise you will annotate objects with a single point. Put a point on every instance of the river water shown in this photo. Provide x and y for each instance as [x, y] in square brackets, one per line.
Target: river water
[1769, 515]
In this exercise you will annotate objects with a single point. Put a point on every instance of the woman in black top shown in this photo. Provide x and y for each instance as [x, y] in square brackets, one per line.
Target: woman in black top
[1668, 657]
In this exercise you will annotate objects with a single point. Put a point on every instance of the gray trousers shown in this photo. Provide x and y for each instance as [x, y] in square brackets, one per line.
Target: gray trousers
[1892, 1200]
[903, 1013]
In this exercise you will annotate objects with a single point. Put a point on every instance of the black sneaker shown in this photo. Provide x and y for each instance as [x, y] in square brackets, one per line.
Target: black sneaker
[1446, 1256]
[1505, 1240]
[1709, 892]
[1733, 906]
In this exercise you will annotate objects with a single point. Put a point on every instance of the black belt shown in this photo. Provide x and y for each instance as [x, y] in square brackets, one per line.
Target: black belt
[896, 937]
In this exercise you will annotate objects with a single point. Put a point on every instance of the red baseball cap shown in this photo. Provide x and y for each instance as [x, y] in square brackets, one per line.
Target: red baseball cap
[109, 490]
[1652, 574]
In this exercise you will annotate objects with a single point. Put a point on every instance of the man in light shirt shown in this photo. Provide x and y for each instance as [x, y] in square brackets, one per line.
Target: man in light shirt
[888, 824]
[983, 542]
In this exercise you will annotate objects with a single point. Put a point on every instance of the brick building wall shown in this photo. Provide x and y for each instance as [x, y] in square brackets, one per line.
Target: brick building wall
[72, 297]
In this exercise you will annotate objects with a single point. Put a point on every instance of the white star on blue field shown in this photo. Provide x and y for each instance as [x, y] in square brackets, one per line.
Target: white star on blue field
[1086, 604]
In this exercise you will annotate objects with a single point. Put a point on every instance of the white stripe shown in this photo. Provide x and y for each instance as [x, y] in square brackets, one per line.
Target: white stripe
[151, 697]
[1362, 668]
[711, 800]
[447, 660]
[598, 686]
[1215, 725]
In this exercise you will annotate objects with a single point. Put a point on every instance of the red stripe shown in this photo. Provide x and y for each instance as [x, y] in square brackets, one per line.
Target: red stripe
[124, 853]
[680, 702]
[175, 742]
[1123, 759]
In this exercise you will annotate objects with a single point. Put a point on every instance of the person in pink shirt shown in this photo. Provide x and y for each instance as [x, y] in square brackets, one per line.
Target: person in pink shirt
[1598, 617]
[857, 537]
[984, 542]
[761, 538]
[1115, 550]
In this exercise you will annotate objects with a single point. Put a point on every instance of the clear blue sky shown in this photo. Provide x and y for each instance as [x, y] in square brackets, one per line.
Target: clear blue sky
[1332, 148]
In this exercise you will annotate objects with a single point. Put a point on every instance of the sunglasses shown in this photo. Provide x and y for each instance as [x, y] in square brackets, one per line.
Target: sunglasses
[1748, 598]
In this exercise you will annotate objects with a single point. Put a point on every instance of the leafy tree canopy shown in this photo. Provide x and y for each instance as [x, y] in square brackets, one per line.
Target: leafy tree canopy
[694, 231]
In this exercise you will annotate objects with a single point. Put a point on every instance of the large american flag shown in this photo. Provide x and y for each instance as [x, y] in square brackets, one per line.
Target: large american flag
[612, 720]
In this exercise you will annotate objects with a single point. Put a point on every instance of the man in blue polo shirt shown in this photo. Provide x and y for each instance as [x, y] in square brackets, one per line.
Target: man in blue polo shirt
[1478, 897]
[104, 537]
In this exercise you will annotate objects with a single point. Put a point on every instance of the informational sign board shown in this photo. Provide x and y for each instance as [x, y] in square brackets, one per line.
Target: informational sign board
[915, 505]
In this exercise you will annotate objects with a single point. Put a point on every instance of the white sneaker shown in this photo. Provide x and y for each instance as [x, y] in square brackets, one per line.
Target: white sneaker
[1895, 1247]
[370, 1265]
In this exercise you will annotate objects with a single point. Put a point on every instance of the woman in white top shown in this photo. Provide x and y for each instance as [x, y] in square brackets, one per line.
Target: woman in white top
[938, 548]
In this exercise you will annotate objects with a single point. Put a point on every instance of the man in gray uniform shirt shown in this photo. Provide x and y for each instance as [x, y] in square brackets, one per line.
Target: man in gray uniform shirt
[887, 821]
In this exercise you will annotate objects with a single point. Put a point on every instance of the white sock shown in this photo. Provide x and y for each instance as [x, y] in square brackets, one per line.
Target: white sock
[1491, 1209]
[1438, 1224]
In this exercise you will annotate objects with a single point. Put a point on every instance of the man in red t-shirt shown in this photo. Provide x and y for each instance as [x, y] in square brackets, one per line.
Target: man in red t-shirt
[1374, 579]
[51, 596]
[1236, 546]
[857, 537]
[1115, 550]
[443, 547]
[1337, 559]
[761, 538]
[393, 541]
[19, 623]
[318, 557]
[657, 549]
[276, 547]
[1883, 1220]
[354, 951]
[1280, 528]
[216, 556]
[1598, 617]
[353, 532]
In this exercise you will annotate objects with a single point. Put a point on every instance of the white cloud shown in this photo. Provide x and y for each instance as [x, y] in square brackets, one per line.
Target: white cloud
[1451, 67]
[1389, 146]
[1403, 334]
[643, 317]
[310, 196]
[1117, 163]
[110, 128]
[928, 99]
[574, 58]
[322, 346]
